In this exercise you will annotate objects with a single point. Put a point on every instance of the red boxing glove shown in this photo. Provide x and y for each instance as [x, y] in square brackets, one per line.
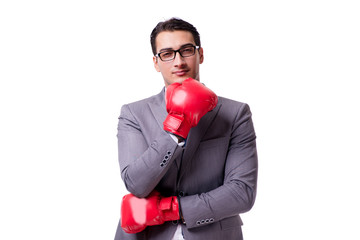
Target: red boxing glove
[138, 213]
[186, 104]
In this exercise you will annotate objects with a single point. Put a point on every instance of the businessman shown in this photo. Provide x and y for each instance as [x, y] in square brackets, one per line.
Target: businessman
[187, 156]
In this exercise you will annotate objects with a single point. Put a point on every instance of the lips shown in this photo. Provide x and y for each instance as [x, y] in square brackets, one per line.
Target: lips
[180, 73]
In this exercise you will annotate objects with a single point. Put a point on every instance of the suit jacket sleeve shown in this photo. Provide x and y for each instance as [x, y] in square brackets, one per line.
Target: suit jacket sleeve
[143, 162]
[237, 194]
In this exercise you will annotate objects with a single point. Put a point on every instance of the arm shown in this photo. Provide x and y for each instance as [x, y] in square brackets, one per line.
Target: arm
[237, 194]
[141, 163]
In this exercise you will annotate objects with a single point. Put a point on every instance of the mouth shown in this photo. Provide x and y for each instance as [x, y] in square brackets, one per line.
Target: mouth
[180, 73]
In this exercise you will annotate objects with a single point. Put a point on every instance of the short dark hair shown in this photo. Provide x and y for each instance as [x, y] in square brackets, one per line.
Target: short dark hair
[173, 24]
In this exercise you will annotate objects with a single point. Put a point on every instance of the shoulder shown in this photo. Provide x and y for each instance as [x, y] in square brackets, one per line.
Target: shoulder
[142, 102]
[235, 111]
[140, 105]
[233, 105]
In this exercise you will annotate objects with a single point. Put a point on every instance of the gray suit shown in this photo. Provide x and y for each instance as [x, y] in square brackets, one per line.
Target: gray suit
[214, 175]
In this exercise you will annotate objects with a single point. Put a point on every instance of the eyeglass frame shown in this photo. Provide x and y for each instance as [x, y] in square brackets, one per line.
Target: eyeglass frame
[175, 51]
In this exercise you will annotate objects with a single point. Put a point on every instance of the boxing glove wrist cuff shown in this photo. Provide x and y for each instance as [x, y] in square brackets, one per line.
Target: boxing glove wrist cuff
[170, 208]
[177, 125]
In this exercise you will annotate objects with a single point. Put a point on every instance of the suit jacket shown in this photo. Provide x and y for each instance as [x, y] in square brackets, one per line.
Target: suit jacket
[214, 175]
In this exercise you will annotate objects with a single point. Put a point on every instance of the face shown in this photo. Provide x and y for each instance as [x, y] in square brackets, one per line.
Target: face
[180, 68]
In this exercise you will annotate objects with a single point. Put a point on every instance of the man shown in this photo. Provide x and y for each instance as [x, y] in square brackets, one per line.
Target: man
[187, 157]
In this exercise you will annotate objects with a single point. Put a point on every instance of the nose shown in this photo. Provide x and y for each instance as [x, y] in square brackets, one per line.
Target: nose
[178, 60]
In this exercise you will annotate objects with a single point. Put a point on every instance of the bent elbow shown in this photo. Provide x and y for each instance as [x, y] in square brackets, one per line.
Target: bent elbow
[138, 191]
[249, 200]
[245, 196]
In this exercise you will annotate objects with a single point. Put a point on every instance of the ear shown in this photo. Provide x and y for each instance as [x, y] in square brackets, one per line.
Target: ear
[201, 53]
[156, 64]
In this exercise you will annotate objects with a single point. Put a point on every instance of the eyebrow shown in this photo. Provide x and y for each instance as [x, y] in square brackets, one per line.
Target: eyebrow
[182, 46]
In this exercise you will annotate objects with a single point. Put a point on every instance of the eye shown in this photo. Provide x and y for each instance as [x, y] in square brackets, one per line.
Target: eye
[166, 54]
[187, 50]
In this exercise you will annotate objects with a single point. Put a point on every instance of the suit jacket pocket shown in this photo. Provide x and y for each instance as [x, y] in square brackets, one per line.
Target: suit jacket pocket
[231, 222]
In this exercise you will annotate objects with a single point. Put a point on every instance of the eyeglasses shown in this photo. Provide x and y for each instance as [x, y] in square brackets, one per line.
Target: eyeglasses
[169, 55]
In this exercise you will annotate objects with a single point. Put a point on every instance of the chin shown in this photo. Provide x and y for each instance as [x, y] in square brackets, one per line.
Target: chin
[180, 80]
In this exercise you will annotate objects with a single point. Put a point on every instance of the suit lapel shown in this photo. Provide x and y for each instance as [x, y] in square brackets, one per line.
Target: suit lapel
[195, 136]
[158, 108]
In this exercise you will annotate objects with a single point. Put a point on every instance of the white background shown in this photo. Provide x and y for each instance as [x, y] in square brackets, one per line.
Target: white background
[66, 67]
